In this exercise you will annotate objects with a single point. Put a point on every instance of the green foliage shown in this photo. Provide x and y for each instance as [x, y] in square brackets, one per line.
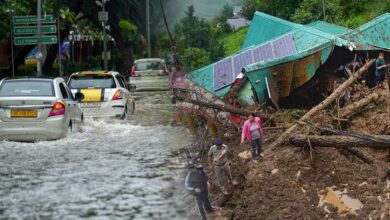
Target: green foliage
[222, 27]
[312, 10]
[279, 8]
[26, 70]
[192, 32]
[195, 58]
[249, 8]
[128, 30]
[234, 40]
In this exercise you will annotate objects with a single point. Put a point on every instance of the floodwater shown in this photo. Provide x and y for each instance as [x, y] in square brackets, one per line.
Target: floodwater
[112, 170]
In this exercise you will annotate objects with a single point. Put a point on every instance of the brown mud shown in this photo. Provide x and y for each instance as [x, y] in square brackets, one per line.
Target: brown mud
[288, 182]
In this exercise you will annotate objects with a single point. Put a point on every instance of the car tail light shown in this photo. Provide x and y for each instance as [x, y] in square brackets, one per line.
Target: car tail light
[133, 69]
[117, 95]
[57, 109]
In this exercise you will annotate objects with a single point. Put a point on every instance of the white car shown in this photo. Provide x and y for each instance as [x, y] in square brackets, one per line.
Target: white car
[33, 108]
[150, 74]
[106, 94]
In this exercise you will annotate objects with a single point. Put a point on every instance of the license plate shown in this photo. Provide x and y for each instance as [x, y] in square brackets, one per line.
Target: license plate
[90, 105]
[24, 113]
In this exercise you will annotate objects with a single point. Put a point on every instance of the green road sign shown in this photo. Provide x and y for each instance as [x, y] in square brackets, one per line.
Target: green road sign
[32, 19]
[30, 30]
[34, 40]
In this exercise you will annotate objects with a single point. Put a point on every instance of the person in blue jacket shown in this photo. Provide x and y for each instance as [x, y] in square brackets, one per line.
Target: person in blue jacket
[196, 183]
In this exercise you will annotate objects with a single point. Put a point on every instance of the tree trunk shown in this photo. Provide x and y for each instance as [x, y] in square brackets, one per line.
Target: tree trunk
[330, 99]
[351, 109]
[226, 108]
[339, 141]
[126, 53]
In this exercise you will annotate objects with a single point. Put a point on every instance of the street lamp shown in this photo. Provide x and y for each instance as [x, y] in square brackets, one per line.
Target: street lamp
[103, 17]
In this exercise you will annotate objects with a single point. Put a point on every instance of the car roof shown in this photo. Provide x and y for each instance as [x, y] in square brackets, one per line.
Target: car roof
[148, 60]
[48, 78]
[96, 72]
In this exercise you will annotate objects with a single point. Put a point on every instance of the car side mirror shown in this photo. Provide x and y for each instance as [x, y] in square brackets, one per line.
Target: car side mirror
[131, 86]
[79, 96]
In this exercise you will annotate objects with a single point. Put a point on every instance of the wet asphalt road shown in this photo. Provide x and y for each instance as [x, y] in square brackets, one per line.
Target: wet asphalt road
[112, 170]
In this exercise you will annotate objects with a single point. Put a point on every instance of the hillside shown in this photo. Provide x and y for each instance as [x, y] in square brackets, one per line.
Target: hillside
[233, 41]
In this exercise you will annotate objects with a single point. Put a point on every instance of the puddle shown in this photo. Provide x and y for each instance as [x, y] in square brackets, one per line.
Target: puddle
[340, 200]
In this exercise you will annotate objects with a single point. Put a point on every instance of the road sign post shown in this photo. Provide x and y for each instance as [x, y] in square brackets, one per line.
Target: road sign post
[32, 19]
[32, 30]
[28, 30]
[33, 40]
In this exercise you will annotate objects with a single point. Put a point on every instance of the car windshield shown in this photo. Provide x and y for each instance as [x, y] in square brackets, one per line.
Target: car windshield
[26, 88]
[80, 82]
[149, 65]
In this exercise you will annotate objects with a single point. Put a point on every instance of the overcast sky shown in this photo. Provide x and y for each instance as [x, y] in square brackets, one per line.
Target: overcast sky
[203, 8]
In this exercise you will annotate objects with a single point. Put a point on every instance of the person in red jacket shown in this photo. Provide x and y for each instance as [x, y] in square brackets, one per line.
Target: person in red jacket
[253, 133]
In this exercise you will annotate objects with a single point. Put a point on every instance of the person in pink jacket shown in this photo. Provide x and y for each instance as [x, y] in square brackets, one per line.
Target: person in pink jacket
[253, 133]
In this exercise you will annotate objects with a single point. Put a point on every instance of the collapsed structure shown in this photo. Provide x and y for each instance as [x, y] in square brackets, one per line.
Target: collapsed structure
[281, 61]
[341, 169]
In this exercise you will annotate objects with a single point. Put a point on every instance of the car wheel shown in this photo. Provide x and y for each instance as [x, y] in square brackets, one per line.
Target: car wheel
[70, 128]
[133, 109]
[124, 116]
[80, 128]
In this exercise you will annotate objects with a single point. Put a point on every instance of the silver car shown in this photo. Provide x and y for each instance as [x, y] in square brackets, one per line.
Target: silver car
[149, 74]
[35, 108]
[106, 94]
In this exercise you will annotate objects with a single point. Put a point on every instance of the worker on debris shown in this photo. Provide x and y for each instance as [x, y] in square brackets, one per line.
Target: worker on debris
[380, 69]
[253, 133]
[218, 155]
[196, 183]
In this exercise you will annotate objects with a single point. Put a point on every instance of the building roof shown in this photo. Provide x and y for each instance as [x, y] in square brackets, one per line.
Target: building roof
[266, 29]
[374, 34]
[329, 27]
[316, 39]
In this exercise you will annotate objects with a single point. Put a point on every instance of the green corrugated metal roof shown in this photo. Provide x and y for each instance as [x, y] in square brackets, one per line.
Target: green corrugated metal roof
[316, 37]
[264, 28]
[204, 78]
[375, 33]
[329, 28]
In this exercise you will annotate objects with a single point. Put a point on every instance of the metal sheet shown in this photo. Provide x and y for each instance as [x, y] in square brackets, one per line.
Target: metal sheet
[283, 46]
[263, 52]
[240, 61]
[223, 73]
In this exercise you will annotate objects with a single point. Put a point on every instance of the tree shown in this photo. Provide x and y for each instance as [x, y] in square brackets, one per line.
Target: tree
[195, 58]
[221, 20]
[312, 10]
[248, 8]
[279, 8]
[192, 32]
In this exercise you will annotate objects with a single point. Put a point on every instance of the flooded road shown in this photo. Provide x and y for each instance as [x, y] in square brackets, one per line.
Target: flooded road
[112, 170]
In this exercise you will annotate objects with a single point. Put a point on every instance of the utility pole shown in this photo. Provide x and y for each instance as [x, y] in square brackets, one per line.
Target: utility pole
[39, 55]
[103, 17]
[11, 14]
[59, 47]
[323, 9]
[104, 39]
[148, 26]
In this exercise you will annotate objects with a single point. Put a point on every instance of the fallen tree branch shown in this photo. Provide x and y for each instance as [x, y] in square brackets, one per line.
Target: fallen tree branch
[339, 141]
[350, 145]
[351, 109]
[226, 108]
[325, 103]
